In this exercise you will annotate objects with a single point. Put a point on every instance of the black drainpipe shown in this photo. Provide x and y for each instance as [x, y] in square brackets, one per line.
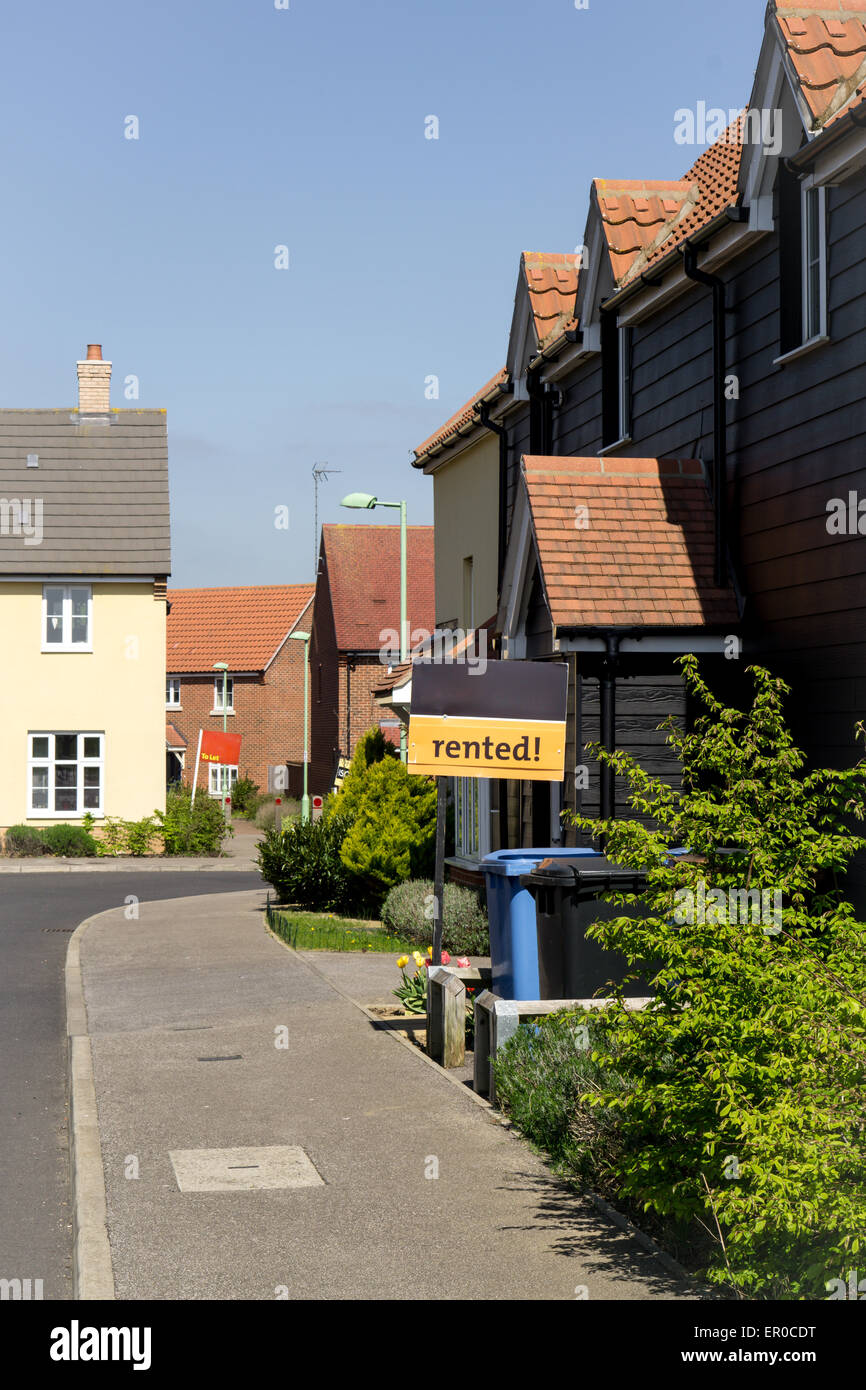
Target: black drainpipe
[720, 440]
[501, 431]
[608, 722]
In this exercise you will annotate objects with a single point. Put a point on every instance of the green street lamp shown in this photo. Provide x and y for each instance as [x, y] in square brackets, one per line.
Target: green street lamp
[305, 799]
[366, 502]
[223, 666]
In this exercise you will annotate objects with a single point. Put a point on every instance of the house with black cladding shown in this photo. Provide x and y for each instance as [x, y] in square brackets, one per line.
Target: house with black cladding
[681, 432]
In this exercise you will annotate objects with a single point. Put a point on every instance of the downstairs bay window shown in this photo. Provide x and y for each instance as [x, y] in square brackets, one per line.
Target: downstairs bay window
[64, 774]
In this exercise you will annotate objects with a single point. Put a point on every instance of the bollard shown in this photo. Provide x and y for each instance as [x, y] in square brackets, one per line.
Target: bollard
[278, 813]
[446, 1017]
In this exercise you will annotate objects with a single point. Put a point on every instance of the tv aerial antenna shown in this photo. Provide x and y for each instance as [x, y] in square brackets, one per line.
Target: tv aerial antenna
[320, 471]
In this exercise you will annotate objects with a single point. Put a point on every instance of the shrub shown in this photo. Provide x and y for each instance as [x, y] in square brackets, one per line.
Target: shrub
[545, 1074]
[244, 796]
[25, 840]
[392, 836]
[747, 1086]
[303, 865]
[196, 828]
[407, 912]
[265, 810]
[138, 835]
[373, 748]
[71, 841]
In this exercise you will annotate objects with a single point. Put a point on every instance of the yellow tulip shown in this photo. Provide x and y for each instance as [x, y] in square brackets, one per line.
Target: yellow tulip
[403, 960]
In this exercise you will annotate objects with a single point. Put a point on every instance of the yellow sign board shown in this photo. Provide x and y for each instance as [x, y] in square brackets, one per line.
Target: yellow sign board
[461, 747]
[507, 721]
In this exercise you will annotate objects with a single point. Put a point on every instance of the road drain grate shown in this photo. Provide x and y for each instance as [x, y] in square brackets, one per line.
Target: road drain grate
[54, 929]
[238, 1057]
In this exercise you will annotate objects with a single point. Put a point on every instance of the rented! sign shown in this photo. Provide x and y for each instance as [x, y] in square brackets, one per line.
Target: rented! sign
[507, 721]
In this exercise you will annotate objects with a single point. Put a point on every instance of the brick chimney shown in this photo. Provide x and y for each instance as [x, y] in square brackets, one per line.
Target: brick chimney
[94, 382]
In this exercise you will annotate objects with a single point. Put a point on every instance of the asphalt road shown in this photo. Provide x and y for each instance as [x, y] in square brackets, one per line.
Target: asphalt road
[37, 914]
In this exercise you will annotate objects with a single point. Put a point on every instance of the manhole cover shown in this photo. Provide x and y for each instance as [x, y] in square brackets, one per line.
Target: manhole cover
[243, 1170]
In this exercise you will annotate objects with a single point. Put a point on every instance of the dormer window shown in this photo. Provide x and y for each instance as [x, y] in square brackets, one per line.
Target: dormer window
[67, 618]
[616, 356]
[802, 224]
[814, 218]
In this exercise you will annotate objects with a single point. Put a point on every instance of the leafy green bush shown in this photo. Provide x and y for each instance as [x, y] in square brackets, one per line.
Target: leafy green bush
[25, 840]
[544, 1076]
[244, 796]
[408, 912]
[133, 837]
[372, 748]
[195, 829]
[303, 865]
[71, 841]
[747, 1081]
[393, 834]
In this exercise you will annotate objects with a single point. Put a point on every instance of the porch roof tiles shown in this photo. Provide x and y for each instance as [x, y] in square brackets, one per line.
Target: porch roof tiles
[646, 554]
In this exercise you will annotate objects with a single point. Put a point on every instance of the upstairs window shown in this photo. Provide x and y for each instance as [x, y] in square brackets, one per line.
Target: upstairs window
[616, 355]
[172, 692]
[218, 696]
[67, 618]
[814, 216]
[802, 262]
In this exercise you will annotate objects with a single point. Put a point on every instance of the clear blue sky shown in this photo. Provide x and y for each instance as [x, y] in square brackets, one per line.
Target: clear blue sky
[305, 127]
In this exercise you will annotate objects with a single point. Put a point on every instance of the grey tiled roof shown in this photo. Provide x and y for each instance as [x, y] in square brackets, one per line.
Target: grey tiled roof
[103, 489]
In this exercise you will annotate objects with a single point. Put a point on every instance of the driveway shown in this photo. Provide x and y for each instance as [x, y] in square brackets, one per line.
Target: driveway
[38, 912]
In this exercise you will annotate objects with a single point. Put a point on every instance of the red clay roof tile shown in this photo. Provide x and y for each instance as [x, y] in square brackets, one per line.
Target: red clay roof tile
[363, 565]
[463, 419]
[826, 43]
[244, 626]
[651, 567]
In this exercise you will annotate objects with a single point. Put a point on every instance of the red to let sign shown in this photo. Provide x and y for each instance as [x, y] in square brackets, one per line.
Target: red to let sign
[220, 748]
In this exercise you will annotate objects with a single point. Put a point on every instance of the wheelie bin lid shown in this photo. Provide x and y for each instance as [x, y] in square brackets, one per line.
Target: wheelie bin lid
[589, 878]
[512, 863]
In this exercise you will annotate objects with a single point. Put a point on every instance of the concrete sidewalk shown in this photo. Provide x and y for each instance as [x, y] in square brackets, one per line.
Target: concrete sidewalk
[184, 1009]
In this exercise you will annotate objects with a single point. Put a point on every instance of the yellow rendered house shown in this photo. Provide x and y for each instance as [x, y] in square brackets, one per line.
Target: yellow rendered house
[84, 557]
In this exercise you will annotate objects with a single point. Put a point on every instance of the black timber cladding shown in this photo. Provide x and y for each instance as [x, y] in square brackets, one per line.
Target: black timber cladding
[103, 490]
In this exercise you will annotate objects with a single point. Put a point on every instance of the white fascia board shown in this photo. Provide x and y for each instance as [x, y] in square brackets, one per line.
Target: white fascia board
[586, 305]
[571, 354]
[731, 241]
[52, 578]
[652, 642]
[843, 159]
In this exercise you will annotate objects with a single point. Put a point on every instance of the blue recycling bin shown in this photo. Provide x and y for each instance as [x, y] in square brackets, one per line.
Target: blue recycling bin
[511, 917]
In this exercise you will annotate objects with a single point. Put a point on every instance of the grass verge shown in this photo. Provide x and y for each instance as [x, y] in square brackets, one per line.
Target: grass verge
[320, 931]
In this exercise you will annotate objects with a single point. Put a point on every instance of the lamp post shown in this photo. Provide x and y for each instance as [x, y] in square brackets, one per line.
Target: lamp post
[223, 666]
[366, 502]
[305, 799]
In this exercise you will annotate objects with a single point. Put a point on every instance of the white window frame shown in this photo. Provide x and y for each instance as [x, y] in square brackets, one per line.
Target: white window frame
[50, 762]
[814, 256]
[471, 818]
[216, 779]
[625, 355]
[218, 695]
[66, 644]
[172, 689]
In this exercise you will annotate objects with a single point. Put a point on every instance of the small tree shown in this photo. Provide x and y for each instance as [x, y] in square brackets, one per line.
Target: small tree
[394, 830]
[372, 748]
[748, 1095]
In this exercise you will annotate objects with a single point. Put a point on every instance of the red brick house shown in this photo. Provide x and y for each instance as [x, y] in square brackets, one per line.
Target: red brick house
[356, 623]
[250, 629]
